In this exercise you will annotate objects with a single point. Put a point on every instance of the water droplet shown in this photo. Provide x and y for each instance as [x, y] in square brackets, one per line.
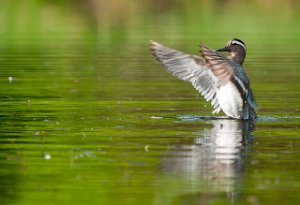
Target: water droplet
[47, 156]
[146, 148]
[156, 117]
[10, 79]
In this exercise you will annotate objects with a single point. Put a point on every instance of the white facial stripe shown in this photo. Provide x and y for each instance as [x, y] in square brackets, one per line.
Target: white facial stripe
[229, 42]
[238, 43]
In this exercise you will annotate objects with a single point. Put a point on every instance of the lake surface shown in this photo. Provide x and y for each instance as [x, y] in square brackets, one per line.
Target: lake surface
[99, 121]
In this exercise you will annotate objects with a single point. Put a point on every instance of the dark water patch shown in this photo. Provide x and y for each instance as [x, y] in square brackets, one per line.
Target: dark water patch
[195, 118]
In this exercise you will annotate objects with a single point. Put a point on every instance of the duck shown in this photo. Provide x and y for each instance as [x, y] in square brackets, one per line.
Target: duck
[219, 79]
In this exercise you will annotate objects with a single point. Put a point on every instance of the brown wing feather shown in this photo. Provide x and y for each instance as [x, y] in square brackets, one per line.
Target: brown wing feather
[219, 64]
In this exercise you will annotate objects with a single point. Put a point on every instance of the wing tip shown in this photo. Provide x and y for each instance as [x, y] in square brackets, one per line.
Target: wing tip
[204, 51]
[153, 44]
[155, 50]
[153, 47]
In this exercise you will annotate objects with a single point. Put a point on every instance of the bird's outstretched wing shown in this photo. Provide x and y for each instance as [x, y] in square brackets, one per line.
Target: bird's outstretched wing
[189, 68]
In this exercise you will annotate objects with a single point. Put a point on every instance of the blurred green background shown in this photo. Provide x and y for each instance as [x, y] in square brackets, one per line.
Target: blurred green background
[134, 21]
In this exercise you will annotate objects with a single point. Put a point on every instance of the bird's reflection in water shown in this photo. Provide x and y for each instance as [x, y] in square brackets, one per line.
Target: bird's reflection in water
[215, 156]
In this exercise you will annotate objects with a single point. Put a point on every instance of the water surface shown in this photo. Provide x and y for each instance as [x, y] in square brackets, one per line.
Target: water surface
[97, 120]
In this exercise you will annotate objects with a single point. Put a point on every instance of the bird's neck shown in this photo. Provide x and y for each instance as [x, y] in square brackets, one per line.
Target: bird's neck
[237, 58]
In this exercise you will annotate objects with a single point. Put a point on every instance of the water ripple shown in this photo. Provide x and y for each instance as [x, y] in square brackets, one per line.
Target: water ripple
[194, 118]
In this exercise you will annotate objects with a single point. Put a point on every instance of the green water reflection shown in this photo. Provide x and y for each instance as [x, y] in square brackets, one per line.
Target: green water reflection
[88, 116]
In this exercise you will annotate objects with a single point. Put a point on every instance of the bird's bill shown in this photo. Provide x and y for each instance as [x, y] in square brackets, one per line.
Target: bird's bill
[223, 49]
